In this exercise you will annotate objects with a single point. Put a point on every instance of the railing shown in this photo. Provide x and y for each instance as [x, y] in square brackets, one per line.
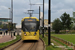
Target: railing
[9, 33]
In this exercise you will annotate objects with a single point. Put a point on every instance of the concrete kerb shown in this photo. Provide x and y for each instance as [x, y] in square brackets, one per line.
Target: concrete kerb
[9, 45]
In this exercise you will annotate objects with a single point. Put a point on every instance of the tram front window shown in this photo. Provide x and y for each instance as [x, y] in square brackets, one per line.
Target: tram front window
[30, 26]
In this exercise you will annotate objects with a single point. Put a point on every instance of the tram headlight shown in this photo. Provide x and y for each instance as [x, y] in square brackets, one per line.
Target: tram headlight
[25, 34]
[34, 34]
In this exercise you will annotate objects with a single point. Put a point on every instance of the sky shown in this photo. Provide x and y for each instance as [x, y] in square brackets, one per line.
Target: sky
[58, 7]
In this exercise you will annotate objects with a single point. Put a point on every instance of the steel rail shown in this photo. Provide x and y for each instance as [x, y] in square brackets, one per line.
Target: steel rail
[33, 46]
[18, 46]
[28, 45]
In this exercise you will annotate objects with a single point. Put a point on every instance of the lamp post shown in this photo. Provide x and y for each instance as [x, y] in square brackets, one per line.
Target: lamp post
[12, 11]
[39, 19]
[49, 21]
[9, 24]
[9, 12]
[12, 15]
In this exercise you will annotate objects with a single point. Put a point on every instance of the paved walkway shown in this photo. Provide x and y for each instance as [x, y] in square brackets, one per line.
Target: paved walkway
[0, 36]
[5, 38]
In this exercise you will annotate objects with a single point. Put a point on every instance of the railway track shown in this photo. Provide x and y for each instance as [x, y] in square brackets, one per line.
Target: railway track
[33, 46]
[27, 45]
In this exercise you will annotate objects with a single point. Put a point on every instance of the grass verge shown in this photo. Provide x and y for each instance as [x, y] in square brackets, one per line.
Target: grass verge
[10, 42]
[45, 39]
[68, 37]
[68, 48]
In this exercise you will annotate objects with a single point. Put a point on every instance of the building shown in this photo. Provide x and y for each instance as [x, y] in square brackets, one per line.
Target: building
[41, 18]
[4, 19]
[46, 23]
[4, 22]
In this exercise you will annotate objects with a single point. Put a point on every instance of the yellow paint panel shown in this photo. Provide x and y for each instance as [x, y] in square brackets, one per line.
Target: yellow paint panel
[28, 18]
[30, 35]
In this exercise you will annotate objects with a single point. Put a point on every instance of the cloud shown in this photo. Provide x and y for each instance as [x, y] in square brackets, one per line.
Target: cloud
[0, 8]
[2, 0]
[3, 8]
[0, 14]
[70, 1]
[58, 13]
[46, 6]
[65, 10]
[58, 7]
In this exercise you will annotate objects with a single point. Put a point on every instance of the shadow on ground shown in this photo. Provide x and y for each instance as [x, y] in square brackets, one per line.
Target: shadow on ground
[30, 41]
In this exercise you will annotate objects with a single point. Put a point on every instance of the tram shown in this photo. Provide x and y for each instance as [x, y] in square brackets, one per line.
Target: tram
[30, 28]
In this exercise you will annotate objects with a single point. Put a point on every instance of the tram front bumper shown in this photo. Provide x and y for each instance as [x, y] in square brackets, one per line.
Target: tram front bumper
[31, 38]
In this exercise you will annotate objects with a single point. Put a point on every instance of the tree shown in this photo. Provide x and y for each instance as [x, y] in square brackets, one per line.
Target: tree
[1, 26]
[66, 21]
[57, 26]
[73, 23]
[9, 26]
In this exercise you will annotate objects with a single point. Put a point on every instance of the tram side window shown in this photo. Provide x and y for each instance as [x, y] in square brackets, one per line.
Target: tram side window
[37, 25]
[23, 25]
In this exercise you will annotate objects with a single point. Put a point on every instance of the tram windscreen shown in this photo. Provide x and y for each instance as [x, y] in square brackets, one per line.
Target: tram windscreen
[30, 26]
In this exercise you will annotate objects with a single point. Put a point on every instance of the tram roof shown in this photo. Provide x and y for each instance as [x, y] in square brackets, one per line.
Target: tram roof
[30, 17]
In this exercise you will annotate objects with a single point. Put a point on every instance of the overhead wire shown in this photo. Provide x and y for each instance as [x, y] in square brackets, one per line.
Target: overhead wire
[30, 4]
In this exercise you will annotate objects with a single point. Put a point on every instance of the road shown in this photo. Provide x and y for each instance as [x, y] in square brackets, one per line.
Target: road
[27, 45]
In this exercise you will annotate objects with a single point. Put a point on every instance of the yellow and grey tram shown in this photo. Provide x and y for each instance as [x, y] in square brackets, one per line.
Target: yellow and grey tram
[30, 28]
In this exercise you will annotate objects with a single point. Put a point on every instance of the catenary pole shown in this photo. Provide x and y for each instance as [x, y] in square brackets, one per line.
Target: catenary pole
[43, 18]
[49, 22]
[10, 19]
[39, 19]
[12, 11]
